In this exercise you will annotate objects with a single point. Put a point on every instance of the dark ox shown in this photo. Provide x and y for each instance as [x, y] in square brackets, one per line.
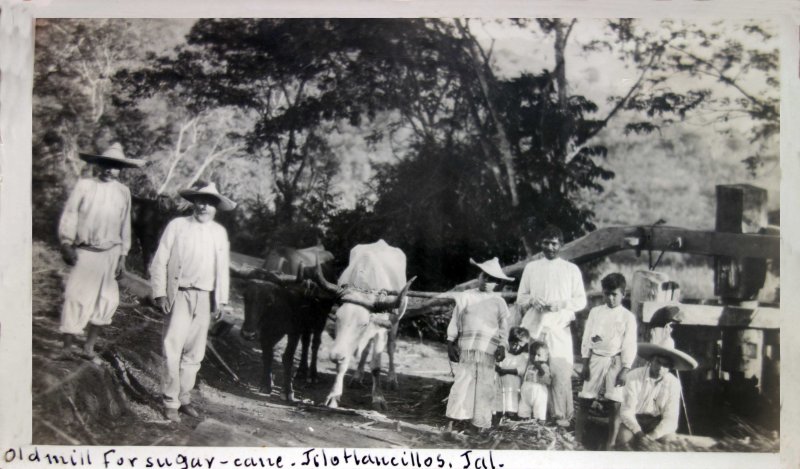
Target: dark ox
[148, 219]
[288, 260]
[272, 311]
[297, 309]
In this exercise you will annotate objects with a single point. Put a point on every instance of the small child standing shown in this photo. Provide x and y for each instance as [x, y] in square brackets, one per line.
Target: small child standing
[608, 350]
[509, 374]
[533, 395]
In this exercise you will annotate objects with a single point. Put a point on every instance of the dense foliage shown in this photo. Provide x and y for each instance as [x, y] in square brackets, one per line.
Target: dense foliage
[479, 160]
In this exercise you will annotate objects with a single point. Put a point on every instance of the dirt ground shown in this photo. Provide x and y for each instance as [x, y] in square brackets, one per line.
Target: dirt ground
[115, 400]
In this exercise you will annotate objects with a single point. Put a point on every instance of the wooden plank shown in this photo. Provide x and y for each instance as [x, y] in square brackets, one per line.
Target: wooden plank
[760, 317]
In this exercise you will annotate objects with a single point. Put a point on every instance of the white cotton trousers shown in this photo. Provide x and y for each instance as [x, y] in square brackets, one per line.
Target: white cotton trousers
[91, 294]
[533, 400]
[603, 373]
[185, 345]
[472, 394]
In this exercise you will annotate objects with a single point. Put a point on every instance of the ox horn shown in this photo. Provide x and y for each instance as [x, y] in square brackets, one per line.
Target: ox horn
[325, 284]
[392, 304]
[404, 291]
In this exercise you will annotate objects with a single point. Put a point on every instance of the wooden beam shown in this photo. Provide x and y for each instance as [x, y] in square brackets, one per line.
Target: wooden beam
[606, 241]
[760, 317]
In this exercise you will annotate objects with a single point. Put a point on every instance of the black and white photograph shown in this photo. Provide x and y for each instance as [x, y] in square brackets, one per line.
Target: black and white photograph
[528, 233]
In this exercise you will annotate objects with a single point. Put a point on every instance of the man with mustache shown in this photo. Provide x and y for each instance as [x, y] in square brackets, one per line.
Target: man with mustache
[551, 291]
[189, 276]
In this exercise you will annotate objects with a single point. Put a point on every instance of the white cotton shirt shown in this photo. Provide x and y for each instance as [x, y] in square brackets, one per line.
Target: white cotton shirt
[196, 249]
[552, 281]
[462, 300]
[200, 254]
[97, 215]
[609, 332]
[656, 397]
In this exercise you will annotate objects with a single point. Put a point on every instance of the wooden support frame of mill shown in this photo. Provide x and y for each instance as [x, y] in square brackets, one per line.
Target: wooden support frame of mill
[736, 338]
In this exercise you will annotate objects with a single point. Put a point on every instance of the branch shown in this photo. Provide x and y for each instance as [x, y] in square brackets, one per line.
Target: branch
[178, 154]
[725, 79]
[505, 147]
[212, 156]
[622, 102]
[569, 29]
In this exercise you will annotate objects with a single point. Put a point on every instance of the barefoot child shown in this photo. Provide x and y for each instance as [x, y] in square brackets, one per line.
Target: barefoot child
[608, 350]
[509, 374]
[537, 379]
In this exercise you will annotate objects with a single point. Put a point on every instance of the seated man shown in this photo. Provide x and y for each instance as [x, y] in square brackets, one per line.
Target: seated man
[652, 396]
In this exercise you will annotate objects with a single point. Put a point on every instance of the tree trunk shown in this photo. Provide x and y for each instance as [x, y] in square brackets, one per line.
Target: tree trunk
[483, 72]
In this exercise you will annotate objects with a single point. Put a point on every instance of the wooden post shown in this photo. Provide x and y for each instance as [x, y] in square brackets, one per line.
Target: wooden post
[741, 208]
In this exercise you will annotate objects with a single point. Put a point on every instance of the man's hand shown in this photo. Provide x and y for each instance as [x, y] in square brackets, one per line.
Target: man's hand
[536, 304]
[163, 304]
[500, 353]
[586, 375]
[453, 352]
[68, 254]
[554, 306]
[641, 440]
[622, 377]
[220, 311]
[543, 333]
[120, 268]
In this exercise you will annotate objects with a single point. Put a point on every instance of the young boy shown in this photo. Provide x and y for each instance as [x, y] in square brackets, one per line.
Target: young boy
[608, 350]
[537, 380]
[509, 374]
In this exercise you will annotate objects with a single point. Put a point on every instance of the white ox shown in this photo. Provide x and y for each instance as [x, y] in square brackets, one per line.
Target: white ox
[373, 267]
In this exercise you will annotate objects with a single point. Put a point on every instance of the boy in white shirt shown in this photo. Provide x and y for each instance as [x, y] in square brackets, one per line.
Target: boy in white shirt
[608, 349]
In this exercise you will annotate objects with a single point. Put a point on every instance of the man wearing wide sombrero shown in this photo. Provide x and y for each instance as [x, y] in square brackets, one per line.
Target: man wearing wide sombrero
[476, 338]
[189, 276]
[95, 236]
[651, 403]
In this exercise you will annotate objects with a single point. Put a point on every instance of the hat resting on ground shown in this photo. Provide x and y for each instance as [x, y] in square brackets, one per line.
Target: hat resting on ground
[492, 268]
[681, 361]
[112, 156]
[208, 189]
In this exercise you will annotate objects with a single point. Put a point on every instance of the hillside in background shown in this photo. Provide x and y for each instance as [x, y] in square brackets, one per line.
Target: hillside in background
[672, 176]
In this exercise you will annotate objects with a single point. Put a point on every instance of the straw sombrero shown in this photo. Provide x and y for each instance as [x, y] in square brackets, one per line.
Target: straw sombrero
[224, 204]
[681, 361]
[112, 156]
[492, 267]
